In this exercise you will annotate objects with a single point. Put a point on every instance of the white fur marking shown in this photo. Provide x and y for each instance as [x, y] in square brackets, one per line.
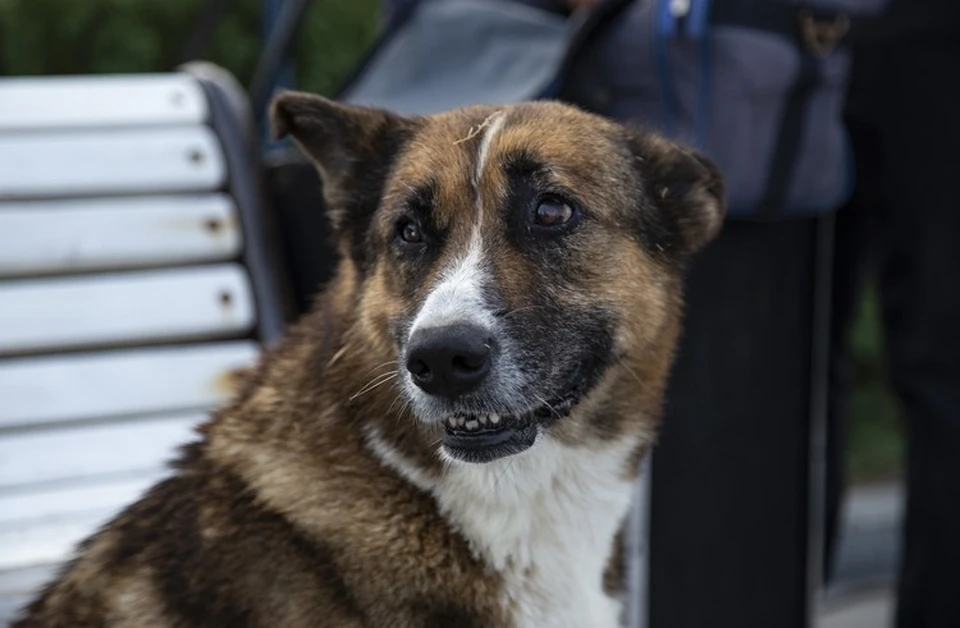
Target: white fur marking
[546, 520]
[489, 133]
[458, 296]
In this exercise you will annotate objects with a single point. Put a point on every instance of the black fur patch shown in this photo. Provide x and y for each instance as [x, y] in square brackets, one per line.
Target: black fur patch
[446, 615]
[197, 576]
[354, 149]
[563, 349]
[682, 200]
[366, 188]
[189, 577]
[529, 181]
[413, 261]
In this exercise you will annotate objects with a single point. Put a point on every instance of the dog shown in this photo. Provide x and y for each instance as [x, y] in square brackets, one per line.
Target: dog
[451, 436]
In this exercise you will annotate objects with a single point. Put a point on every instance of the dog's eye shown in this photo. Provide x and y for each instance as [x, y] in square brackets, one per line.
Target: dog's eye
[552, 212]
[409, 232]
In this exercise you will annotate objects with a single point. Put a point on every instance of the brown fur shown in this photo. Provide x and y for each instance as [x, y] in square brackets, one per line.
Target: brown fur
[281, 514]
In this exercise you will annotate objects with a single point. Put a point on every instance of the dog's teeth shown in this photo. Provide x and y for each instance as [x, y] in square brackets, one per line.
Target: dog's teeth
[472, 424]
[494, 418]
[482, 419]
[460, 421]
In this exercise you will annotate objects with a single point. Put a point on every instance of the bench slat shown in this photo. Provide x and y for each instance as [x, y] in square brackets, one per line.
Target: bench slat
[59, 102]
[17, 586]
[119, 383]
[192, 302]
[101, 234]
[76, 454]
[52, 539]
[113, 161]
[23, 508]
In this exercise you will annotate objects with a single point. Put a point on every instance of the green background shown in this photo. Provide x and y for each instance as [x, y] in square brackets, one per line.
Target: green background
[93, 36]
[109, 36]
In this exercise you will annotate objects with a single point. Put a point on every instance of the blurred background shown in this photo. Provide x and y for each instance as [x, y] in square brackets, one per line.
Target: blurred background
[109, 37]
[123, 36]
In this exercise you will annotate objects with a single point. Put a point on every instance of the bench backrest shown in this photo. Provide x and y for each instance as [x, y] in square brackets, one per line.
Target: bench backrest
[134, 279]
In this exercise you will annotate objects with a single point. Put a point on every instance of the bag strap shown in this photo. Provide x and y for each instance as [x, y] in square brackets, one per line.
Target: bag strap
[817, 33]
[594, 23]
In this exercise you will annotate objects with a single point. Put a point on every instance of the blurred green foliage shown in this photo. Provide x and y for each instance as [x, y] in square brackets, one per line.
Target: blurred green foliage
[111, 36]
[876, 436]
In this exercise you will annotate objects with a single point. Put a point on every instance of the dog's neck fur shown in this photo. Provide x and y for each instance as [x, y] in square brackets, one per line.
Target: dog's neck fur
[545, 519]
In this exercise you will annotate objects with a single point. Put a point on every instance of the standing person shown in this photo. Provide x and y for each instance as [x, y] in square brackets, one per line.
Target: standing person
[904, 222]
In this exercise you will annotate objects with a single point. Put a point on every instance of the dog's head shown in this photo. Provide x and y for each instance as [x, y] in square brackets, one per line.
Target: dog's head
[514, 261]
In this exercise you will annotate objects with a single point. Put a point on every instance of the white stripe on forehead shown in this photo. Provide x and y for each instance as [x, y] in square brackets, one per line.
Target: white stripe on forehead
[493, 125]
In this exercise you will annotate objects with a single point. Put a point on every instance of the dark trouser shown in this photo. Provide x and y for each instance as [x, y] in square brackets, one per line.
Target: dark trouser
[729, 499]
[728, 526]
[904, 114]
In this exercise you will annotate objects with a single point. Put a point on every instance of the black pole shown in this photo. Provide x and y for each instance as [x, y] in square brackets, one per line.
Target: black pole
[210, 17]
[819, 408]
[275, 52]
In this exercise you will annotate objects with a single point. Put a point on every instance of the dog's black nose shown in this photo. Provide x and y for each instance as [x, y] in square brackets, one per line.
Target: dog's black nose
[450, 361]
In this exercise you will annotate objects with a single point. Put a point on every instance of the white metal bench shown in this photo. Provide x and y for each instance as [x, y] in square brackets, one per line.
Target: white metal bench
[134, 278]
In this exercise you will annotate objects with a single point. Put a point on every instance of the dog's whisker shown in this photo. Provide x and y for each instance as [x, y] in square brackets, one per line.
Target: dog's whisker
[634, 374]
[503, 473]
[400, 415]
[385, 364]
[547, 403]
[395, 400]
[336, 356]
[392, 373]
[525, 308]
[377, 381]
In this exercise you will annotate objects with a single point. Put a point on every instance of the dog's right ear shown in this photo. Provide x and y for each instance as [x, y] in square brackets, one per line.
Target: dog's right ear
[352, 148]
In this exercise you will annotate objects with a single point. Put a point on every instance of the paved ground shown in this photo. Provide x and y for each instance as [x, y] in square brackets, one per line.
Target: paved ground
[873, 610]
[866, 565]
[870, 536]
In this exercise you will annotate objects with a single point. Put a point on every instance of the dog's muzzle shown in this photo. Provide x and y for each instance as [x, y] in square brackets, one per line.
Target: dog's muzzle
[452, 363]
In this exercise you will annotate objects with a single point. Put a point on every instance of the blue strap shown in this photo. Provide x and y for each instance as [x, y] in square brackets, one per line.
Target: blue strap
[698, 19]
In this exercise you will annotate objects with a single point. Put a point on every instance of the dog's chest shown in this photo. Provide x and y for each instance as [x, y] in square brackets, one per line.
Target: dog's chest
[545, 521]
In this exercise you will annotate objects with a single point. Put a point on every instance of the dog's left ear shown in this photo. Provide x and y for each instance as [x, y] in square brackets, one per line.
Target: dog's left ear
[685, 187]
[352, 148]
